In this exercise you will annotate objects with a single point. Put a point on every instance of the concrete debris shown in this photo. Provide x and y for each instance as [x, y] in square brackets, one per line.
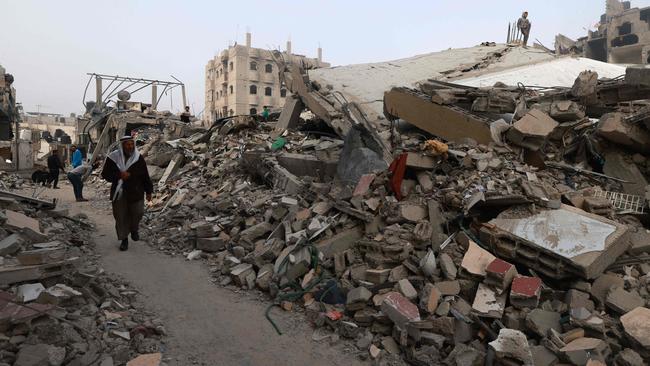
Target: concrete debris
[525, 292]
[419, 244]
[636, 324]
[51, 280]
[488, 303]
[512, 345]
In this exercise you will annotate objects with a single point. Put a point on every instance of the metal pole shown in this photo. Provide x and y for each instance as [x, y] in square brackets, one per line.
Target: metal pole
[508, 38]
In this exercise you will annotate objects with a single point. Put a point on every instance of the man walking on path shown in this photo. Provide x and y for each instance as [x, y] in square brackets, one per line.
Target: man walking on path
[524, 26]
[55, 165]
[127, 171]
[77, 158]
[75, 176]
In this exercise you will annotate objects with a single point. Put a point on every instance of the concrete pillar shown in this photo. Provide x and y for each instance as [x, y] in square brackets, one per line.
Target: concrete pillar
[288, 47]
[154, 97]
[320, 54]
[98, 98]
[248, 39]
[184, 100]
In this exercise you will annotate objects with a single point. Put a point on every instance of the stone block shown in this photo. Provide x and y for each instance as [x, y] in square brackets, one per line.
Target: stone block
[399, 309]
[525, 292]
[636, 324]
[377, 276]
[406, 288]
[622, 301]
[210, 245]
[500, 274]
[448, 266]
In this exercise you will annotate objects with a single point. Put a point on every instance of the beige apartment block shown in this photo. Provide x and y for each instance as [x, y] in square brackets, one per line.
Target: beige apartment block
[242, 80]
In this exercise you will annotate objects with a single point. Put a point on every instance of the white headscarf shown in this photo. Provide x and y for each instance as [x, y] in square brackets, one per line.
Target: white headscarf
[118, 158]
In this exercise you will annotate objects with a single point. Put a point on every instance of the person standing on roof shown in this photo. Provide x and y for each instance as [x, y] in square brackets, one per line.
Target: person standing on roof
[185, 116]
[77, 158]
[127, 172]
[524, 27]
[265, 114]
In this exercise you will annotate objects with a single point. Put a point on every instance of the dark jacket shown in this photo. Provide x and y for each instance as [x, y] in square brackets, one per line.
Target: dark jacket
[135, 186]
[54, 163]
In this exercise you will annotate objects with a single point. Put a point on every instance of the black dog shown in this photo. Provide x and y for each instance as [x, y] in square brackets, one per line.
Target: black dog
[40, 177]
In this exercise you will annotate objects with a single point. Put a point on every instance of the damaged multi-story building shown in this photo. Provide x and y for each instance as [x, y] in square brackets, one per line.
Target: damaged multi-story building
[242, 80]
[622, 36]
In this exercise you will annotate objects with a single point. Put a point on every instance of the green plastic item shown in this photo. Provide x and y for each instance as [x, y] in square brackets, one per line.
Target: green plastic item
[278, 144]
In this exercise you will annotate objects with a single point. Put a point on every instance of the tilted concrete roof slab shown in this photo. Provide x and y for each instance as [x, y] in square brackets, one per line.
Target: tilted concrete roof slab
[561, 243]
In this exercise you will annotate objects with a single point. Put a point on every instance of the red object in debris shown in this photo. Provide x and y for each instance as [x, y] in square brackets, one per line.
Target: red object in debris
[498, 266]
[364, 184]
[398, 168]
[526, 286]
[334, 315]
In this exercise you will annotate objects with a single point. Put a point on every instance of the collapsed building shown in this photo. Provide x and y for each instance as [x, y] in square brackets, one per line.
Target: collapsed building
[480, 205]
[622, 36]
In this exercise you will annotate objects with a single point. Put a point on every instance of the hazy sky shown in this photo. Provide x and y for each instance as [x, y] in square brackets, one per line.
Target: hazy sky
[49, 46]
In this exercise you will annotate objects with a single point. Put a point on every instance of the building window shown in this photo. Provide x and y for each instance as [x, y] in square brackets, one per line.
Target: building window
[231, 89]
[283, 93]
[268, 68]
[253, 89]
[253, 111]
[268, 91]
[231, 66]
[253, 65]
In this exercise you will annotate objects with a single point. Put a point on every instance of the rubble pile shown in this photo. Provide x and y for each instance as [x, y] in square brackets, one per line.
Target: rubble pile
[57, 306]
[522, 240]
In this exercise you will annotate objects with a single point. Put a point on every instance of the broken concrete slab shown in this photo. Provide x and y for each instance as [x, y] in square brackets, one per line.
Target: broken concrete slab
[580, 351]
[636, 324]
[448, 122]
[622, 301]
[413, 213]
[614, 128]
[430, 298]
[476, 260]
[10, 244]
[357, 298]
[19, 222]
[420, 161]
[399, 309]
[447, 266]
[289, 117]
[616, 166]
[339, 242]
[512, 345]
[303, 165]
[532, 130]
[488, 303]
[601, 286]
[406, 288]
[540, 321]
[29, 292]
[559, 250]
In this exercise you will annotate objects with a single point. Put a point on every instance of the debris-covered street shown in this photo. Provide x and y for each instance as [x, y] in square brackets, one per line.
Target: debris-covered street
[479, 205]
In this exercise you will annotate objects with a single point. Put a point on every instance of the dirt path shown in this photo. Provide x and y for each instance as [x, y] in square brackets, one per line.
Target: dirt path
[207, 324]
